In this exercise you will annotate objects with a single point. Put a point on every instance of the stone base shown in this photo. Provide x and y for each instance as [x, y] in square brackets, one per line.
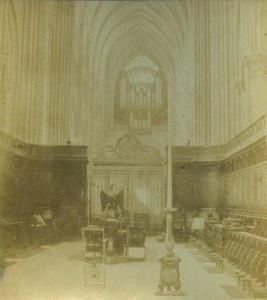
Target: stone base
[169, 275]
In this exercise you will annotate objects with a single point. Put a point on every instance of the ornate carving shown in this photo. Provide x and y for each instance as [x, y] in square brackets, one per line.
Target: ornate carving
[169, 270]
[128, 149]
[248, 156]
[169, 274]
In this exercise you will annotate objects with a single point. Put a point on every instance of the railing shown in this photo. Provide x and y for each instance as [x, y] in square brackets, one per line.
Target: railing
[215, 153]
[61, 152]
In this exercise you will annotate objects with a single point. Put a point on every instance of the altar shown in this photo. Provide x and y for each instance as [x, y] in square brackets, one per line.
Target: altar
[137, 170]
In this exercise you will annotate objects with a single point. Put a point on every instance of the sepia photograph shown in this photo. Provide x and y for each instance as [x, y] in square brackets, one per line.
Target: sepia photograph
[133, 149]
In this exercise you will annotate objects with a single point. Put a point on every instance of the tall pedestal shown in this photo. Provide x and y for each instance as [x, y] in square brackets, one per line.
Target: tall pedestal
[169, 270]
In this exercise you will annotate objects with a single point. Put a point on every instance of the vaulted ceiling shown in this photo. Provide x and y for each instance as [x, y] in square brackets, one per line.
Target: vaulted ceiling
[156, 28]
[59, 61]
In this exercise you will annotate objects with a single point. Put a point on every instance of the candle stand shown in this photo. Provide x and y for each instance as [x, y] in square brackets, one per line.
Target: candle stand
[169, 270]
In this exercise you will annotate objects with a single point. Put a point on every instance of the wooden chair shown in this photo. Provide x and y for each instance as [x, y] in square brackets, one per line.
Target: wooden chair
[94, 256]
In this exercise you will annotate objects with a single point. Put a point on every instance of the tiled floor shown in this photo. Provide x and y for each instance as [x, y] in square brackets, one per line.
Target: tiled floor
[57, 274]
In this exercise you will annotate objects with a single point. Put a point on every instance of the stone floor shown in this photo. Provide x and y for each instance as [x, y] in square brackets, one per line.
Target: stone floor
[56, 273]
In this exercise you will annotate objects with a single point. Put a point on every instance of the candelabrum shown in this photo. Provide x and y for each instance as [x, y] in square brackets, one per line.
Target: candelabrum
[169, 270]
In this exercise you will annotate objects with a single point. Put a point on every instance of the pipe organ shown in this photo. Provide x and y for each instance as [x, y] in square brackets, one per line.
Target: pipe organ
[141, 97]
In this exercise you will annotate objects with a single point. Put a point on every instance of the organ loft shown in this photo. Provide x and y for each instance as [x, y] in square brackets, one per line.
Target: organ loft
[133, 149]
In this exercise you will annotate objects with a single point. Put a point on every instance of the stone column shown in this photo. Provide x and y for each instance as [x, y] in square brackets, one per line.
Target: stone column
[149, 120]
[2, 89]
[123, 93]
[131, 120]
[148, 97]
[132, 98]
[158, 92]
[3, 60]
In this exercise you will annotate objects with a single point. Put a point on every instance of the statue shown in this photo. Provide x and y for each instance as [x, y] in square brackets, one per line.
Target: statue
[112, 204]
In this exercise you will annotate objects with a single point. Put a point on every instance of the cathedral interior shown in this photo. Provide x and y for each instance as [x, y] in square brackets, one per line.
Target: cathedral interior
[132, 129]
